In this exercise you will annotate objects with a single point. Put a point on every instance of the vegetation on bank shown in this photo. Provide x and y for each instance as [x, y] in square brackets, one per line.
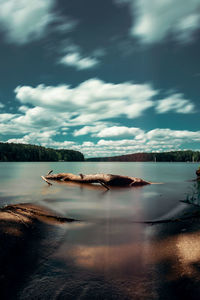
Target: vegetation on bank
[27, 152]
[173, 156]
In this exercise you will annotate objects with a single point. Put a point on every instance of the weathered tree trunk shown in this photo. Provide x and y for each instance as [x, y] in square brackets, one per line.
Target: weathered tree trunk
[104, 179]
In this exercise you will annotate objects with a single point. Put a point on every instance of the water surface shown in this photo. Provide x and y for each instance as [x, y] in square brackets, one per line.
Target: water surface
[106, 255]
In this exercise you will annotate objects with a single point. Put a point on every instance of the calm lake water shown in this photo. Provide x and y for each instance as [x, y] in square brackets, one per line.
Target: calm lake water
[106, 255]
[21, 182]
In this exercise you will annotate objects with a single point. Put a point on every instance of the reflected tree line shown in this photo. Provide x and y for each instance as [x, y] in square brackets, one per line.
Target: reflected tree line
[26, 152]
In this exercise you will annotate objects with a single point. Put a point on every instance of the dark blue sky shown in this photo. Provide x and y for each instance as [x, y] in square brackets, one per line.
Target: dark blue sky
[105, 77]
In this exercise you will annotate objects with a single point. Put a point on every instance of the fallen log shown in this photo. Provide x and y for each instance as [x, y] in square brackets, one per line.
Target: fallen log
[106, 180]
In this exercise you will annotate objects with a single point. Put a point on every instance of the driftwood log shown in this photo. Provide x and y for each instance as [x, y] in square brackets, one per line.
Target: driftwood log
[106, 180]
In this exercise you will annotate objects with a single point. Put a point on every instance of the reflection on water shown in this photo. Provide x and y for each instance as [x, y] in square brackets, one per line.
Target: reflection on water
[121, 261]
[106, 255]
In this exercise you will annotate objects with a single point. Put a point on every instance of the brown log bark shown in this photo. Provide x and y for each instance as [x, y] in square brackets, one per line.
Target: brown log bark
[106, 179]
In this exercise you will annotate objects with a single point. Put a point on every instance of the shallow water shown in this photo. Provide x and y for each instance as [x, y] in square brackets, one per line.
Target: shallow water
[106, 255]
[21, 182]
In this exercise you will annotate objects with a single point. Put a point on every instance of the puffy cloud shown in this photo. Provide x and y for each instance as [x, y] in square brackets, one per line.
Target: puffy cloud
[7, 117]
[23, 108]
[91, 108]
[119, 131]
[32, 121]
[38, 117]
[43, 138]
[25, 20]
[2, 105]
[35, 138]
[61, 145]
[90, 104]
[74, 59]
[88, 144]
[154, 20]
[90, 129]
[84, 130]
[168, 134]
[111, 143]
[156, 140]
[92, 100]
[175, 103]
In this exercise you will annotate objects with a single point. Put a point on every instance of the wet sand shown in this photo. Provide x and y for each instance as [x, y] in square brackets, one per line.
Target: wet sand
[44, 256]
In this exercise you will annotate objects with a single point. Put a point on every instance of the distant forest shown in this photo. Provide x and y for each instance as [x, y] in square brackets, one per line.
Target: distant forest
[26, 152]
[173, 156]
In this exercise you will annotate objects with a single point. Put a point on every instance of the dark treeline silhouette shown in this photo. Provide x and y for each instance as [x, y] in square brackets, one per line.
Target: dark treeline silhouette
[26, 152]
[173, 156]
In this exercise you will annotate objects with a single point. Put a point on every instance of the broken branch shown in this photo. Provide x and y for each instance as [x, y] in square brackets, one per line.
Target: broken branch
[49, 183]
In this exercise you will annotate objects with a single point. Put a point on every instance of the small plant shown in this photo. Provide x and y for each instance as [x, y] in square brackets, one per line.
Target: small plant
[193, 197]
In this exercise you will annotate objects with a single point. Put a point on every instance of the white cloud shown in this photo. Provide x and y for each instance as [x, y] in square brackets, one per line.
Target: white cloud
[25, 20]
[88, 144]
[92, 100]
[114, 143]
[65, 24]
[74, 59]
[35, 138]
[43, 138]
[154, 20]
[7, 117]
[91, 108]
[90, 129]
[2, 105]
[83, 131]
[168, 134]
[38, 117]
[119, 131]
[23, 108]
[31, 121]
[175, 103]
[156, 140]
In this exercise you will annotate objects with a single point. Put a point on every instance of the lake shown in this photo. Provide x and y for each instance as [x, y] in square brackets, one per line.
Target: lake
[109, 253]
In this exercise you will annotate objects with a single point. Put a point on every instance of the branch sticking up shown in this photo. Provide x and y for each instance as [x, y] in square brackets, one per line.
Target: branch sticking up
[49, 172]
[47, 181]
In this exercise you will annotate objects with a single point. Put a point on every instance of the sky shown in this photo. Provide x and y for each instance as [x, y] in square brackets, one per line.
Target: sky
[104, 77]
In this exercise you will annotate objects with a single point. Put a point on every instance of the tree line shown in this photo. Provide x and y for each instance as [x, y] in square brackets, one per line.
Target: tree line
[172, 156]
[27, 152]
